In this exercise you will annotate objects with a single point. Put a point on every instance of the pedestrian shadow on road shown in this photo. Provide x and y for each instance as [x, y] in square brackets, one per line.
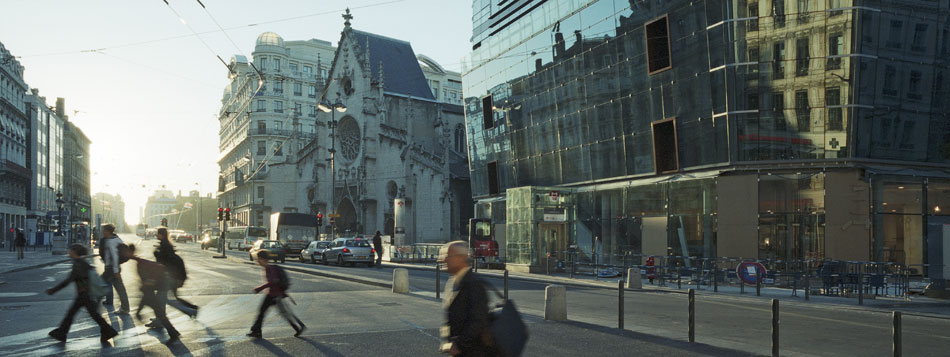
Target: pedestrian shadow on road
[326, 351]
[272, 348]
[693, 348]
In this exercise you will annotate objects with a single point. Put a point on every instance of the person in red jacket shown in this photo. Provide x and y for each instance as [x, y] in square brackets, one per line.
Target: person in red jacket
[275, 296]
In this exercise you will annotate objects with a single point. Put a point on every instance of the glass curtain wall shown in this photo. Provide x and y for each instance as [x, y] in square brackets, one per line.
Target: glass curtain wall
[899, 219]
[791, 218]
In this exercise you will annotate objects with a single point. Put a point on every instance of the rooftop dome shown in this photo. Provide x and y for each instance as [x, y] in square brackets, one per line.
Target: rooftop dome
[270, 39]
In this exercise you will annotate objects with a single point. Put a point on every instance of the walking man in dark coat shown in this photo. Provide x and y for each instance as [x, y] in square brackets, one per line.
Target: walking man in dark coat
[465, 332]
[80, 276]
[378, 246]
[20, 243]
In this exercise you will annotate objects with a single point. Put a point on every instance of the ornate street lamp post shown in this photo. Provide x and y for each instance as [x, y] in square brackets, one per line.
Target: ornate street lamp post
[325, 106]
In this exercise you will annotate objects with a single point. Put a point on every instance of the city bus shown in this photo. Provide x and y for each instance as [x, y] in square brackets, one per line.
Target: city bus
[294, 230]
[243, 237]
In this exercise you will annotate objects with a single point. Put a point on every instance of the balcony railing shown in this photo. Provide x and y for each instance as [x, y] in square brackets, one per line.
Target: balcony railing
[12, 168]
[278, 132]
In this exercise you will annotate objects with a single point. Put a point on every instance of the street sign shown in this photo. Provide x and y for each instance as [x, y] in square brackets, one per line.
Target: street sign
[749, 271]
[333, 215]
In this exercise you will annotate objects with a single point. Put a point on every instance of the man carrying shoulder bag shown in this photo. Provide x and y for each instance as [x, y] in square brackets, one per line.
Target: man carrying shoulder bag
[109, 251]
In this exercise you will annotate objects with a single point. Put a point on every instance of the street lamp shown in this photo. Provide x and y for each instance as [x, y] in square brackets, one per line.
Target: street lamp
[326, 107]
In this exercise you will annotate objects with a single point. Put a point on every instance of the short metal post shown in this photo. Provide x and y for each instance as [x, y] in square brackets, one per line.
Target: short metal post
[758, 284]
[860, 285]
[620, 305]
[741, 285]
[573, 264]
[896, 319]
[692, 316]
[775, 338]
[679, 277]
[715, 278]
[506, 285]
[438, 280]
[807, 283]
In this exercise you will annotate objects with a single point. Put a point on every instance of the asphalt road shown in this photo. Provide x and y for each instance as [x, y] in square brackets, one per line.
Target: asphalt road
[344, 319]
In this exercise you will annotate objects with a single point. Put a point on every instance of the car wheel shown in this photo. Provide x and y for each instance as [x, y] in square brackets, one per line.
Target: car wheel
[323, 259]
[339, 260]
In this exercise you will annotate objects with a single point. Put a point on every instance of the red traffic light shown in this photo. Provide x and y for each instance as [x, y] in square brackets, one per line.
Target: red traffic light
[319, 215]
[11, 230]
[227, 209]
[220, 209]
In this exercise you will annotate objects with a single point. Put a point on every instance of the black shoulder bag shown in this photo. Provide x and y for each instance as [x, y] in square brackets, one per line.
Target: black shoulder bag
[508, 331]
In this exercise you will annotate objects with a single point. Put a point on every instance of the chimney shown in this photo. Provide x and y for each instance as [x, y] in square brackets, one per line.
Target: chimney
[537, 64]
[558, 44]
[61, 107]
[578, 37]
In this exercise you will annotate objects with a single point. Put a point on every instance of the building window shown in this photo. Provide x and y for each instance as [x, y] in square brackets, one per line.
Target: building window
[658, 45]
[488, 112]
[261, 126]
[832, 103]
[920, 34]
[460, 138]
[778, 13]
[279, 148]
[298, 89]
[263, 62]
[801, 55]
[907, 136]
[261, 105]
[913, 92]
[665, 148]
[277, 64]
[298, 108]
[492, 177]
[278, 106]
[753, 24]
[307, 69]
[278, 126]
[293, 67]
[312, 92]
[803, 11]
[835, 48]
[894, 36]
[313, 111]
[802, 111]
[260, 192]
[262, 148]
[279, 87]
[778, 110]
[752, 101]
[890, 74]
[834, 4]
[778, 60]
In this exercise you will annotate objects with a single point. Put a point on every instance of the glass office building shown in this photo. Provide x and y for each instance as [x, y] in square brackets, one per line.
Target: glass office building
[771, 129]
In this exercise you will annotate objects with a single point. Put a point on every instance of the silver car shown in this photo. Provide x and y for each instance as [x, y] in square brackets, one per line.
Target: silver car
[314, 250]
[351, 251]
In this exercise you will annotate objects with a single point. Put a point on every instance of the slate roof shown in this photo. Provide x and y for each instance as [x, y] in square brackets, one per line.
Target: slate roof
[400, 66]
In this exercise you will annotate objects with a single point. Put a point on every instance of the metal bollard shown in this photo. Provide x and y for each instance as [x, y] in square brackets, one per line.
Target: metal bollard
[775, 327]
[438, 280]
[620, 305]
[896, 331]
[573, 264]
[807, 283]
[715, 278]
[506, 285]
[758, 284]
[692, 316]
[741, 286]
[861, 286]
[679, 278]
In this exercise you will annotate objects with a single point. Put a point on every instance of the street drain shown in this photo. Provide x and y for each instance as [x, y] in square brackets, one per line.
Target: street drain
[388, 304]
[15, 307]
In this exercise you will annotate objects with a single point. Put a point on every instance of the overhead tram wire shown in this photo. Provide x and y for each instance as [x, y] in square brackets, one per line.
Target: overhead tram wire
[176, 37]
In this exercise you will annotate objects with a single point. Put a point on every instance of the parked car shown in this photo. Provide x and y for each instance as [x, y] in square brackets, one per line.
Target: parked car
[350, 251]
[273, 247]
[209, 241]
[313, 250]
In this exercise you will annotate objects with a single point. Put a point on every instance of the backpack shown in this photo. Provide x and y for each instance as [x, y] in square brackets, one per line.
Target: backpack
[97, 287]
[176, 266]
[119, 249]
[283, 281]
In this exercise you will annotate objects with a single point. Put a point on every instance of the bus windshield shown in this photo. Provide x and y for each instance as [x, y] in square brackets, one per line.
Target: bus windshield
[256, 232]
[482, 230]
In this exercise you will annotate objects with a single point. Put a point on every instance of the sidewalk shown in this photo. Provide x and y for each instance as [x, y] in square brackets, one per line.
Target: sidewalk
[920, 305]
[32, 259]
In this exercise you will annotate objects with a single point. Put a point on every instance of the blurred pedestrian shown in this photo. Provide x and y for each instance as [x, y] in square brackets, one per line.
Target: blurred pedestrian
[154, 291]
[175, 271]
[466, 305]
[80, 275]
[276, 282]
[378, 246]
[20, 243]
[113, 273]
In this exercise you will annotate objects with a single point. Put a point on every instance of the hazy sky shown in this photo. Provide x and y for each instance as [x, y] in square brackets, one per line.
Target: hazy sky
[148, 93]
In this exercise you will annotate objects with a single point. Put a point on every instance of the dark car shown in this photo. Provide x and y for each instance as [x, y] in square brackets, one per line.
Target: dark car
[314, 250]
[273, 247]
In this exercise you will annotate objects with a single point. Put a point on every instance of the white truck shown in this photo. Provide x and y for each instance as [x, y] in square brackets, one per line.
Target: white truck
[294, 230]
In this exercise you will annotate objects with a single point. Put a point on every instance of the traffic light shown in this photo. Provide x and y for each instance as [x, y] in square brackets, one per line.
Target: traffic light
[319, 219]
[220, 214]
[227, 214]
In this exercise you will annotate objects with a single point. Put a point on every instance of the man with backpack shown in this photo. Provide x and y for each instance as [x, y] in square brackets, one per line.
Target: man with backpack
[276, 282]
[175, 268]
[109, 252]
[154, 292]
[81, 274]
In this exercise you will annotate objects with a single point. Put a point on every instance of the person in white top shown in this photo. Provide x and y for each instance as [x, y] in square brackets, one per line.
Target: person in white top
[113, 272]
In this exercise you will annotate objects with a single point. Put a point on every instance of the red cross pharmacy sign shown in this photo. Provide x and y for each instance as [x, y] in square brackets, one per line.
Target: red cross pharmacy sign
[553, 195]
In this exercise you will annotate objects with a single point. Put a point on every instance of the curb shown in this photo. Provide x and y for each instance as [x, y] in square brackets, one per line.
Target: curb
[36, 266]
